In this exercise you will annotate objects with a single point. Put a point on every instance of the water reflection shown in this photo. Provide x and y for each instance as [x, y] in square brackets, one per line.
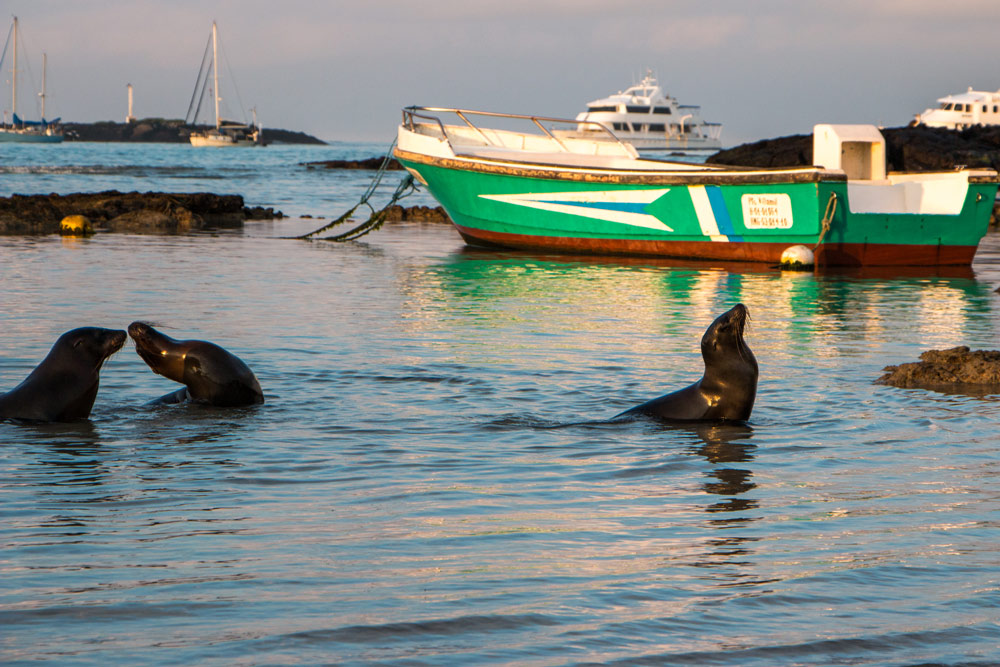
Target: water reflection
[641, 293]
[726, 444]
[723, 445]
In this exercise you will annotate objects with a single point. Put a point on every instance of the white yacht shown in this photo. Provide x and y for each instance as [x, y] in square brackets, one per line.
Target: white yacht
[957, 112]
[225, 132]
[651, 120]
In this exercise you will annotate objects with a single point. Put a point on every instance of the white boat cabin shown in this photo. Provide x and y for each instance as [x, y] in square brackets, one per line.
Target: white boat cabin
[649, 119]
[859, 151]
[957, 112]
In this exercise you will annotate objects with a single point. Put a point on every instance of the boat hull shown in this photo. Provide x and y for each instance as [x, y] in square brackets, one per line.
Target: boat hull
[828, 254]
[713, 216]
[219, 142]
[16, 136]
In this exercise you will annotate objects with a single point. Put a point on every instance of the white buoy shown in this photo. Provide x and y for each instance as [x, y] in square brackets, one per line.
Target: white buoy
[797, 257]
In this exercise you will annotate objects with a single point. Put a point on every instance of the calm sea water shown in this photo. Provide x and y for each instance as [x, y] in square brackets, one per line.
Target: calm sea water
[419, 487]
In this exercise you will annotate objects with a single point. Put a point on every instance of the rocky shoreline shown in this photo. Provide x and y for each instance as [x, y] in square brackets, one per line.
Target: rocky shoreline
[366, 163]
[157, 212]
[153, 212]
[161, 130]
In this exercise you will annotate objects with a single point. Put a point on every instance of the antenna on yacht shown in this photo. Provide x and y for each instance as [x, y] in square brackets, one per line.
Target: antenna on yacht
[45, 61]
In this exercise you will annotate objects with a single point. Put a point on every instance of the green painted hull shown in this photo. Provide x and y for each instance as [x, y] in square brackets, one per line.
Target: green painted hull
[748, 216]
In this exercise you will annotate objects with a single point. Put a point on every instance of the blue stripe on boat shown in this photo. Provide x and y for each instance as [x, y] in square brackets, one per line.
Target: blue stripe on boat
[722, 218]
[624, 207]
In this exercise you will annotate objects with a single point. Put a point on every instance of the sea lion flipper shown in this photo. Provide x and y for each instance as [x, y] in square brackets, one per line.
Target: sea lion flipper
[173, 398]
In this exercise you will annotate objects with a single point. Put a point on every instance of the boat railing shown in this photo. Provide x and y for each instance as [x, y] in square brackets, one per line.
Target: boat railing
[413, 114]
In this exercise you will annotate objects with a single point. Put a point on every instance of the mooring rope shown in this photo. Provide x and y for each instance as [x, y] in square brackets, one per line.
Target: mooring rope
[831, 208]
[406, 187]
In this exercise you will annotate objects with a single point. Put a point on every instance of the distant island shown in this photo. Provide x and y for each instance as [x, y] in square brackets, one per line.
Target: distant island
[162, 130]
[910, 148]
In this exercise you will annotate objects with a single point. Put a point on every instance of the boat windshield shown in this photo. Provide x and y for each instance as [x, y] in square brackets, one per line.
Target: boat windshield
[638, 91]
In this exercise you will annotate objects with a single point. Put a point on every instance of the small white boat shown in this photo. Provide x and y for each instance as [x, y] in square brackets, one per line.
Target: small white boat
[649, 119]
[20, 130]
[957, 112]
[225, 132]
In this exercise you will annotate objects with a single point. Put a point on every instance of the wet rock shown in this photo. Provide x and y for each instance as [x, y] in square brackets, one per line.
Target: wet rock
[149, 220]
[261, 213]
[954, 368]
[416, 214]
[366, 163]
[116, 211]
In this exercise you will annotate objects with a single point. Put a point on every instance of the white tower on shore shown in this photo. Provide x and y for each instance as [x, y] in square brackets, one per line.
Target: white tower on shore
[129, 119]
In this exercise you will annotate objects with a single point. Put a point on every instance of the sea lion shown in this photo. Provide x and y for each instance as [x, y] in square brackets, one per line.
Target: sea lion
[209, 373]
[63, 387]
[726, 391]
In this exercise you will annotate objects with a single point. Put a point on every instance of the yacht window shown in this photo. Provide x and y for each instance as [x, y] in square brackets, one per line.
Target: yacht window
[622, 127]
[657, 127]
[595, 109]
[663, 110]
[946, 106]
[968, 108]
[994, 108]
[637, 109]
[984, 108]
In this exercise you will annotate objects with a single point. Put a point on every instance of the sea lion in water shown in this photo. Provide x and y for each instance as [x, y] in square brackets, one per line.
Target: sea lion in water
[726, 391]
[209, 373]
[63, 387]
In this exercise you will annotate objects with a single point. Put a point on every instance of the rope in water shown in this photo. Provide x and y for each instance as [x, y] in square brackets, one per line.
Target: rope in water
[406, 187]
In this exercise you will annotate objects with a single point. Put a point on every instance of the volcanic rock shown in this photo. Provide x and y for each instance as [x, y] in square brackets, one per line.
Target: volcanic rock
[156, 212]
[911, 148]
[954, 368]
[366, 163]
[416, 214]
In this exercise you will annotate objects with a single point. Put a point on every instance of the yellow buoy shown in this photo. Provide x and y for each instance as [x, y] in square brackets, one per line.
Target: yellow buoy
[75, 225]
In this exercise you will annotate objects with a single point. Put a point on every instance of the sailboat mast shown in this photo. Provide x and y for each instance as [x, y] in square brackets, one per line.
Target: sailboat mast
[13, 78]
[45, 62]
[215, 71]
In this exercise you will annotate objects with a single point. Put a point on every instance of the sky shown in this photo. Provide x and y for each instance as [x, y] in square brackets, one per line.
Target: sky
[342, 70]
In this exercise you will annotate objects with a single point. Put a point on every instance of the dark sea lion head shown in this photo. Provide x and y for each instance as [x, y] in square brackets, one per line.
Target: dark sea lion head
[161, 353]
[725, 334]
[91, 346]
[211, 373]
[730, 367]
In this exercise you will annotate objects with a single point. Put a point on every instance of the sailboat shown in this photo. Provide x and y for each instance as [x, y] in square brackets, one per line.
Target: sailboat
[225, 132]
[20, 130]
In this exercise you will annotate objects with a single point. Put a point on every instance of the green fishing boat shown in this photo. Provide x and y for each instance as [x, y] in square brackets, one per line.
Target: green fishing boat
[544, 188]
